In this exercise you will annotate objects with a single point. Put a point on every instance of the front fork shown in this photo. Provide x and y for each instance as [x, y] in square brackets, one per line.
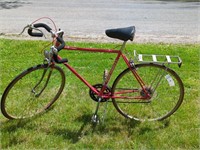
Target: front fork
[37, 94]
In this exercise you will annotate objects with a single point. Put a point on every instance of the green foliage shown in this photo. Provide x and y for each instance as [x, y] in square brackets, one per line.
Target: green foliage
[68, 124]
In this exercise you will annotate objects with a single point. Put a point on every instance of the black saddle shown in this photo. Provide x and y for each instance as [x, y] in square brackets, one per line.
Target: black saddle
[124, 34]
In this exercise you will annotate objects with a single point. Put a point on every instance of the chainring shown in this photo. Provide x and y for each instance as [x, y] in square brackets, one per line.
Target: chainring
[98, 87]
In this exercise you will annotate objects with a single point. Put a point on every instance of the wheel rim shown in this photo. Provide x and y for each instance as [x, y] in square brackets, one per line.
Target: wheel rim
[19, 101]
[164, 102]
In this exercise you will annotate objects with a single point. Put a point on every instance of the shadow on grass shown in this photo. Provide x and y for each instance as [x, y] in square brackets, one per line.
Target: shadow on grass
[111, 128]
[15, 124]
[87, 128]
[81, 127]
[74, 135]
[10, 128]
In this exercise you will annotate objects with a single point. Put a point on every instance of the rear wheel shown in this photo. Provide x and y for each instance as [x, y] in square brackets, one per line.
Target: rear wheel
[161, 83]
[32, 92]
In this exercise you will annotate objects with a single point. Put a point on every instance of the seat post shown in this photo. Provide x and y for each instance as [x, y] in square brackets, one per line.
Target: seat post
[123, 46]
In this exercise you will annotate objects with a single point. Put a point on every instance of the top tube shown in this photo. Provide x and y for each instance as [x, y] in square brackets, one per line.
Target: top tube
[95, 49]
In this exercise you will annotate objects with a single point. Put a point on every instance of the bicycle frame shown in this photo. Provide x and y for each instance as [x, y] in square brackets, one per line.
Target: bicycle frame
[119, 55]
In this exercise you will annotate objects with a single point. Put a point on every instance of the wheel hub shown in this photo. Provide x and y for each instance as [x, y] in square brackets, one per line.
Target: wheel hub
[148, 91]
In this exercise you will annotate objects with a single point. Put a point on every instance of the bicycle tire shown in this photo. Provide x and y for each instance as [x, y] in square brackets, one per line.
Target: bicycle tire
[32, 92]
[167, 95]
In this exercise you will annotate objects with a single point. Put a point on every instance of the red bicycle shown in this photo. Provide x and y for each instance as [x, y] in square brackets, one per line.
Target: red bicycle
[146, 90]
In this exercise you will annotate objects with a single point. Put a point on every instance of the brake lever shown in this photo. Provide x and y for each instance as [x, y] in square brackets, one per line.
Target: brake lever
[30, 26]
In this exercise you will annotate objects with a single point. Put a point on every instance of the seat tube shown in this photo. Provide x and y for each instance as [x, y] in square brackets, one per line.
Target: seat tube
[138, 78]
[123, 46]
[113, 67]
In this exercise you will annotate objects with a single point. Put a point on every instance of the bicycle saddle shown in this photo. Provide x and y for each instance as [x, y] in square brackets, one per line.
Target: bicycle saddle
[124, 34]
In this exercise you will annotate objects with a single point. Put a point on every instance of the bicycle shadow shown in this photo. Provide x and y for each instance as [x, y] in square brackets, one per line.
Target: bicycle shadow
[88, 128]
[15, 124]
[9, 128]
[140, 128]
[83, 128]
[75, 135]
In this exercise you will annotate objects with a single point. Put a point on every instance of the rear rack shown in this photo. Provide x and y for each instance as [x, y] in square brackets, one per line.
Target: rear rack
[158, 59]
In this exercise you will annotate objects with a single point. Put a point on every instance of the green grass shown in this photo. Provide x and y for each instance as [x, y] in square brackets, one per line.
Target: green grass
[67, 125]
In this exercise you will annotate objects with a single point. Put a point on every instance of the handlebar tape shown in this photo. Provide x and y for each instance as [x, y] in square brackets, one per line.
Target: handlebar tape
[38, 25]
[61, 46]
[62, 43]
[34, 34]
[59, 61]
[59, 39]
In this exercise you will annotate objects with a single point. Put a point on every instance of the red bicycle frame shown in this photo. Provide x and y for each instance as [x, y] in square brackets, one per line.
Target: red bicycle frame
[101, 92]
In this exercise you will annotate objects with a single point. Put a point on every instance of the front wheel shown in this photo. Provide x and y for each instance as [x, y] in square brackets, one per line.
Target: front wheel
[162, 84]
[32, 92]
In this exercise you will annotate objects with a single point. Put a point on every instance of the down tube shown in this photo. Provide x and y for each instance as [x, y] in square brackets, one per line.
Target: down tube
[81, 78]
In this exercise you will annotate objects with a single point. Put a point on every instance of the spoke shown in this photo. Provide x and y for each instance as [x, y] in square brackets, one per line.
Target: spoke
[32, 92]
[132, 99]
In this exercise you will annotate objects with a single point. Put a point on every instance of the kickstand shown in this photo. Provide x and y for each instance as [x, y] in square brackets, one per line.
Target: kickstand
[95, 117]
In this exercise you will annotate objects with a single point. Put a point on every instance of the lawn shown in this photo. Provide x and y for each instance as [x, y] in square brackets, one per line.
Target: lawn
[67, 125]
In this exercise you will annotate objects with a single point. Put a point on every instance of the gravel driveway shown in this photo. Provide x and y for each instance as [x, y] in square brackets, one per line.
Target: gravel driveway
[155, 21]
